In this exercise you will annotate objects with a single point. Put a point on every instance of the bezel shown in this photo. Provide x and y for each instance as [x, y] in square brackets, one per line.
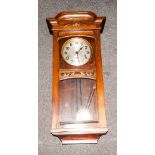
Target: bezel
[70, 40]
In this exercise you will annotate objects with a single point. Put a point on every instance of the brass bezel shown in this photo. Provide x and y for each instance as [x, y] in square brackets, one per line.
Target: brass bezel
[69, 40]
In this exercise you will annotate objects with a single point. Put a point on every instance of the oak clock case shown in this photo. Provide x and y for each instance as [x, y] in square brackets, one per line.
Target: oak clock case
[78, 103]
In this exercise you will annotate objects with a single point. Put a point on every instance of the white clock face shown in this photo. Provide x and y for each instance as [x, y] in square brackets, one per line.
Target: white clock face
[76, 51]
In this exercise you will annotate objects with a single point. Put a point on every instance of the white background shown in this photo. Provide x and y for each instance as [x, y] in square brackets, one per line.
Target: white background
[19, 77]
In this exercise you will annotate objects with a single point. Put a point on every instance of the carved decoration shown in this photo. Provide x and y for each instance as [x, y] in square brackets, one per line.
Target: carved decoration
[75, 24]
[77, 74]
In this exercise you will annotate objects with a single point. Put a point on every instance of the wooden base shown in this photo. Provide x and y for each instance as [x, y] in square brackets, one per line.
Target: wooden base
[79, 137]
[93, 141]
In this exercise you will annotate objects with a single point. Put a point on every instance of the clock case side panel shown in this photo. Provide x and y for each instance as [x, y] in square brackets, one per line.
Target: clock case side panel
[100, 81]
[55, 82]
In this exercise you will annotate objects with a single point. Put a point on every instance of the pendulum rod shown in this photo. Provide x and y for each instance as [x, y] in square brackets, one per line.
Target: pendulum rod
[90, 97]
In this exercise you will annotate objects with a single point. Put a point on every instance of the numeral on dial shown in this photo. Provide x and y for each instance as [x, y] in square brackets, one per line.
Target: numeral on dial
[67, 58]
[85, 56]
[76, 51]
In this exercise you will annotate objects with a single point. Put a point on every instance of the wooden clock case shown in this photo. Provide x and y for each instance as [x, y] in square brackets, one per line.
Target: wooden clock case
[86, 25]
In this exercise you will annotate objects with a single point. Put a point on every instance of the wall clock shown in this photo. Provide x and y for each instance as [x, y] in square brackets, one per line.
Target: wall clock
[78, 102]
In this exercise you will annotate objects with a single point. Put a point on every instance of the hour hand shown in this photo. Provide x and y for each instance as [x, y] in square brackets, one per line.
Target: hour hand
[81, 48]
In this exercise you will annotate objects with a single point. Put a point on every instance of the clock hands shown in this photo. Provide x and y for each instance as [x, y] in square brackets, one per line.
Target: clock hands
[81, 48]
[77, 52]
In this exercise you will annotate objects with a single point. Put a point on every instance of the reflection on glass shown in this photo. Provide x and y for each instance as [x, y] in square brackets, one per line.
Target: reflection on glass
[78, 101]
[83, 115]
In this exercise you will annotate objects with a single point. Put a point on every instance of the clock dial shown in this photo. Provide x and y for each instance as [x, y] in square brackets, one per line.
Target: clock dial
[76, 51]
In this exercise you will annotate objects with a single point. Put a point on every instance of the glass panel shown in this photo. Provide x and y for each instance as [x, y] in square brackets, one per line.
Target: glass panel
[78, 101]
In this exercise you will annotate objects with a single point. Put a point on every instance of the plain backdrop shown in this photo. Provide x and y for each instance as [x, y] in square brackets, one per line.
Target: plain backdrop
[19, 78]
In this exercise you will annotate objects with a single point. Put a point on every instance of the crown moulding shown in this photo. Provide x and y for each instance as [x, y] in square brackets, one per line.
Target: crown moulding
[76, 20]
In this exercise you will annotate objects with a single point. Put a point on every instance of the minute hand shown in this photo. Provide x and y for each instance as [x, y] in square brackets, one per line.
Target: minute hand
[77, 52]
[80, 49]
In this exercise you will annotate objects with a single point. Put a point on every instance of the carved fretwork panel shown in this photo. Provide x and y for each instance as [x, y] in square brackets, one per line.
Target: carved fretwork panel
[67, 74]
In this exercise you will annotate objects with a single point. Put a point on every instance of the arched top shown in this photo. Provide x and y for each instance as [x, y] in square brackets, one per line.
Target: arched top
[76, 16]
[76, 20]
